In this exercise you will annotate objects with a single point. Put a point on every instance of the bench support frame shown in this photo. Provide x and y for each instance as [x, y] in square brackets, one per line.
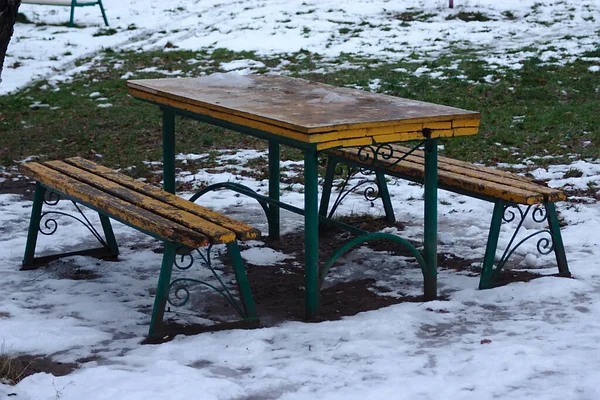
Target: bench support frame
[109, 244]
[110, 248]
[73, 4]
[490, 271]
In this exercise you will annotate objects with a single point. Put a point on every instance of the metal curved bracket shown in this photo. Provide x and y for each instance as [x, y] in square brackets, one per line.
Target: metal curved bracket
[49, 225]
[372, 236]
[179, 293]
[237, 187]
[370, 193]
[544, 245]
[369, 155]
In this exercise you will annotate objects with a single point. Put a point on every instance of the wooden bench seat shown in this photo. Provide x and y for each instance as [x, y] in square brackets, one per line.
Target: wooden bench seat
[72, 4]
[503, 188]
[173, 220]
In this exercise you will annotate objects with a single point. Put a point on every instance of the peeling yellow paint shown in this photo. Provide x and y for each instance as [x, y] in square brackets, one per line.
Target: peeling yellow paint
[242, 230]
[99, 187]
[464, 176]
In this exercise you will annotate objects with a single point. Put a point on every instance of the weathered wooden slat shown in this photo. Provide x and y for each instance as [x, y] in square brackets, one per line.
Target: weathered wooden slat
[483, 177]
[115, 207]
[455, 180]
[446, 161]
[241, 230]
[216, 233]
[490, 174]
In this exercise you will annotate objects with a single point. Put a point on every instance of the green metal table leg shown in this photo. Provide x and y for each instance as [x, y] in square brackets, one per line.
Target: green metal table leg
[327, 186]
[109, 234]
[72, 15]
[311, 233]
[487, 271]
[559, 248]
[103, 12]
[168, 131]
[430, 228]
[274, 179]
[244, 286]
[162, 289]
[385, 197]
[34, 224]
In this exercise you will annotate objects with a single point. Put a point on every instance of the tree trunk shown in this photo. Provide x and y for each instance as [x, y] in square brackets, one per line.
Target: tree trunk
[8, 16]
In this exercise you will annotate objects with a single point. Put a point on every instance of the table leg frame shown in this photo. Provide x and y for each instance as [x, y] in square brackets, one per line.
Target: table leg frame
[430, 224]
[311, 233]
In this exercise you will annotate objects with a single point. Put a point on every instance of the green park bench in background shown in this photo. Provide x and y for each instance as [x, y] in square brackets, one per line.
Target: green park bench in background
[72, 4]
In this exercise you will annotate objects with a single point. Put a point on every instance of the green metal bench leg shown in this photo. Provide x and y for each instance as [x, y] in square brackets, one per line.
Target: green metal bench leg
[487, 272]
[109, 235]
[242, 280]
[559, 248]
[34, 225]
[72, 14]
[103, 13]
[162, 289]
[385, 197]
[327, 186]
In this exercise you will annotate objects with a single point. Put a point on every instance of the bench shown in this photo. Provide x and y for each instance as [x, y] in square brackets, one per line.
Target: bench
[180, 224]
[72, 4]
[506, 190]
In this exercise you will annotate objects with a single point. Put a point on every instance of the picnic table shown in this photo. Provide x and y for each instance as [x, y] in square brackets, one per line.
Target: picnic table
[311, 117]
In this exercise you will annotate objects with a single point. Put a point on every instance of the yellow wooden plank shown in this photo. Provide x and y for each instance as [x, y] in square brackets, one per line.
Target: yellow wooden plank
[454, 180]
[215, 232]
[437, 125]
[357, 142]
[486, 174]
[465, 123]
[242, 230]
[386, 130]
[484, 179]
[114, 207]
[352, 133]
[344, 143]
[398, 137]
[329, 145]
[465, 131]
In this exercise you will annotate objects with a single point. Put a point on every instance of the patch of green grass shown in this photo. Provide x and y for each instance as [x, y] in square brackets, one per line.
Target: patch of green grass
[573, 173]
[469, 16]
[556, 107]
[105, 32]
[22, 19]
[410, 16]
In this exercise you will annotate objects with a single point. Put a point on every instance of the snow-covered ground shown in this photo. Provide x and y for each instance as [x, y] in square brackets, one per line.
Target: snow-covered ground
[554, 31]
[521, 341]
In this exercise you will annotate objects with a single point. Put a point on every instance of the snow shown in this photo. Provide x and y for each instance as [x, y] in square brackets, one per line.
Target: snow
[534, 338]
[556, 32]
[521, 341]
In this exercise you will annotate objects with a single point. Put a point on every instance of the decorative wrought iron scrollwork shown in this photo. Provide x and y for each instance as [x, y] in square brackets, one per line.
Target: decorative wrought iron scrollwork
[51, 198]
[370, 193]
[371, 154]
[544, 245]
[49, 219]
[179, 292]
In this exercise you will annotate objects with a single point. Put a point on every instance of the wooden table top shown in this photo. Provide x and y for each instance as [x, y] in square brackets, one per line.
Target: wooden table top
[310, 112]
